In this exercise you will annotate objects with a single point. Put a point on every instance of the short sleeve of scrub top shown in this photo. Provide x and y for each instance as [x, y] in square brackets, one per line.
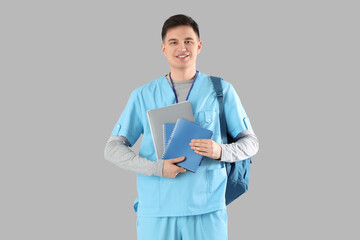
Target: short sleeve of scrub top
[236, 118]
[129, 124]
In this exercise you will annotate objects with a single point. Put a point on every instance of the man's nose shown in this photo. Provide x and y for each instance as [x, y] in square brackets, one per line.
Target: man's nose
[182, 47]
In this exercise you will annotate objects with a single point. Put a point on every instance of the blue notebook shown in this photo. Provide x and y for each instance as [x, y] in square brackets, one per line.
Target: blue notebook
[178, 143]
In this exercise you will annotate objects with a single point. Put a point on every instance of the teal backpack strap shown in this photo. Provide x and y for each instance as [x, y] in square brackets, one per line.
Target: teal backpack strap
[220, 97]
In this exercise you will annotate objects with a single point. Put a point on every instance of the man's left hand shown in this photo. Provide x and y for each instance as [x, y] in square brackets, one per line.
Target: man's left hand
[206, 147]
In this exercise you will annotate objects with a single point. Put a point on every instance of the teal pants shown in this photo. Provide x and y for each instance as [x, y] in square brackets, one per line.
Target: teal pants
[209, 226]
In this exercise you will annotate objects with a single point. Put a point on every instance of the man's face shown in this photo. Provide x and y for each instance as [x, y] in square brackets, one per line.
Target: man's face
[181, 46]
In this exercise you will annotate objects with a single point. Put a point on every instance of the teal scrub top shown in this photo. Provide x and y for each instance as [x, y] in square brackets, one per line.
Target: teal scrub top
[188, 193]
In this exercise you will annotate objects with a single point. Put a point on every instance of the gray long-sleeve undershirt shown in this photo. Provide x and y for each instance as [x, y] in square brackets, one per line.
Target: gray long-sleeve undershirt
[117, 148]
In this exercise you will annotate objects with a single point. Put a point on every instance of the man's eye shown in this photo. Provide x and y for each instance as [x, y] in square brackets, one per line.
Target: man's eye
[188, 42]
[172, 42]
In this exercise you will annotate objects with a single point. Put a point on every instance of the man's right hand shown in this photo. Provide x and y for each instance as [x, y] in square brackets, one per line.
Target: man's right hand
[170, 170]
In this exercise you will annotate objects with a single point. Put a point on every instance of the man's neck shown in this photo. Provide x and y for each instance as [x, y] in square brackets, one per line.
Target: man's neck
[182, 74]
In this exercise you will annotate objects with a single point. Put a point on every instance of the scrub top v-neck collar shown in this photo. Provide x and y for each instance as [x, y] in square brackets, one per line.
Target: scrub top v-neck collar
[173, 88]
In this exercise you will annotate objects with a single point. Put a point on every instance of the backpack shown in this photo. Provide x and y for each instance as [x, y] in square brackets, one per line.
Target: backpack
[238, 171]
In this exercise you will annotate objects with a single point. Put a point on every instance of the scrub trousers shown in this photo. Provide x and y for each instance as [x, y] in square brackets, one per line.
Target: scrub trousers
[209, 226]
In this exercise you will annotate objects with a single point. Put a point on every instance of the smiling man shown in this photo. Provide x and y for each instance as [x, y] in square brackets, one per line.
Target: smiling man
[172, 203]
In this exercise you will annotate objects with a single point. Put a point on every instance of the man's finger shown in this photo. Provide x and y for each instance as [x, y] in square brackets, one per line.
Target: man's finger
[176, 160]
[201, 149]
[206, 154]
[198, 144]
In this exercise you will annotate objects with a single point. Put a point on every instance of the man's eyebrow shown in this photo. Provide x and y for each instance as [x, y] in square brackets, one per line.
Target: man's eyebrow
[174, 39]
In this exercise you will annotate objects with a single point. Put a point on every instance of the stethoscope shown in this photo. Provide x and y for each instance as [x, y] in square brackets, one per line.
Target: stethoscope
[173, 88]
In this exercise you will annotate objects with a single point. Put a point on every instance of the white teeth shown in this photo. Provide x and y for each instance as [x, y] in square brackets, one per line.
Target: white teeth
[182, 56]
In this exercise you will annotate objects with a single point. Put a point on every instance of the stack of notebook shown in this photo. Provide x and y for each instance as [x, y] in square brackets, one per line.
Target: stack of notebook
[172, 129]
[177, 143]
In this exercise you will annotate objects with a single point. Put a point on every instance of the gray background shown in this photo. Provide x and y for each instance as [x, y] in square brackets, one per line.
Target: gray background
[68, 68]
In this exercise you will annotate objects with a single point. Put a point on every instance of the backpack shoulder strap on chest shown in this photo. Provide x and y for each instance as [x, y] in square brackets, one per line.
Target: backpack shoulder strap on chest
[220, 97]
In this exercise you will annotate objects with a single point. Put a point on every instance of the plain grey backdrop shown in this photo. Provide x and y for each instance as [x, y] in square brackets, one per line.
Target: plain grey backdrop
[68, 67]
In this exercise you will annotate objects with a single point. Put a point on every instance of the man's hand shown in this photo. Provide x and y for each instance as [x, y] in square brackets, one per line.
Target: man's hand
[170, 170]
[206, 147]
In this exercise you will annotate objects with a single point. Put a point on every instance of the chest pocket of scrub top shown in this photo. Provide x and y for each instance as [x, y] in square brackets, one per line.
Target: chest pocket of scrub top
[206, 119]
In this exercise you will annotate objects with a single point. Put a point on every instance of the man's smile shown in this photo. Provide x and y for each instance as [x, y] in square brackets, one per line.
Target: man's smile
[182, 56]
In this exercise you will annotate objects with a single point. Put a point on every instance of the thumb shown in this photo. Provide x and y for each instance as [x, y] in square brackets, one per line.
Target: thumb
[176, 160]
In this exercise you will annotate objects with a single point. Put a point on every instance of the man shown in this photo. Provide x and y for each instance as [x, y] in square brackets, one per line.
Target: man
[173, 203]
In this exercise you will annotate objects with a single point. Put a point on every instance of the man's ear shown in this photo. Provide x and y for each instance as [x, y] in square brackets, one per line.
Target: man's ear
[163, 49]
[199, 47]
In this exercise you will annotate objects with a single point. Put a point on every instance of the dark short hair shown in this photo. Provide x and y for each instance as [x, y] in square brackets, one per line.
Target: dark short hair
[179, 20]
